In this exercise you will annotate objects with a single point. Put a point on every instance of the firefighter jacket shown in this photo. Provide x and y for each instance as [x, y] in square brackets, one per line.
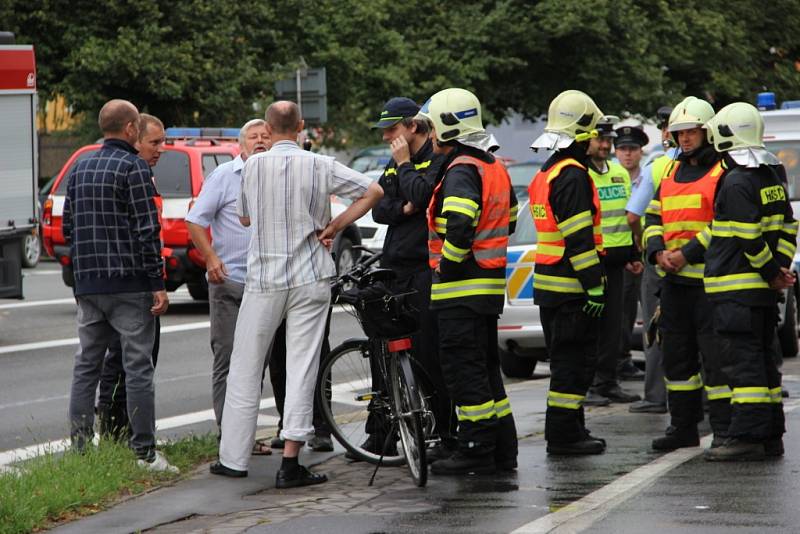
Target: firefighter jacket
[753, 235]
[472, 211]
[680, 214]
[405, 248]
[566, 211]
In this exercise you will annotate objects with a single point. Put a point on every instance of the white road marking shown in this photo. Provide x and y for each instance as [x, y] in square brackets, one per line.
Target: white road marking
[66, 342]
[582, 514]
[39, 272]
[33, 303]
[166, 423]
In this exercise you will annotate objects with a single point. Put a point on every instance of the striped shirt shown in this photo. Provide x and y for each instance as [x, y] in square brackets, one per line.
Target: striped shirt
[286, 194]
[216, 208]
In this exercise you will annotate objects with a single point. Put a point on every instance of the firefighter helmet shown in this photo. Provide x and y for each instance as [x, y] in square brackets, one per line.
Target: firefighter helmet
[455, 114]
[691, 113]
[572, 115]
[737, 125]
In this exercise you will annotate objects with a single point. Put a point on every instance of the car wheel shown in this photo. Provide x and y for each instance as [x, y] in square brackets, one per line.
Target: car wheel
[31, 250]
[198, 290]
[515, 366]
[787, 333]
[345, 256]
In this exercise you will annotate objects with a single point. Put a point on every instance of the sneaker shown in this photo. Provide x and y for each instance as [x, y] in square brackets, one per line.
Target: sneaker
[677, 438]
[618, 395]
[158, 464]
[645, 406]
[735, 450]
[593, 398]
[461, 464]
[321, 444]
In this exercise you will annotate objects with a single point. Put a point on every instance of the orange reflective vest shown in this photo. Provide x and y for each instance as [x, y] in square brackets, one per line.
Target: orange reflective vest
[551, 245]
[686, 210]
[491, 232]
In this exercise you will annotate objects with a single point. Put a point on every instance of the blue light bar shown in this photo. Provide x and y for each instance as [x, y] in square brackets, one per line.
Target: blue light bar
[765, 101]
[790, 104]
[230, 132]
[182, 132]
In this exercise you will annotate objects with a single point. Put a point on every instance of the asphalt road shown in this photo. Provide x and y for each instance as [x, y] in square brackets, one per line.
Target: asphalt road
[35, 380]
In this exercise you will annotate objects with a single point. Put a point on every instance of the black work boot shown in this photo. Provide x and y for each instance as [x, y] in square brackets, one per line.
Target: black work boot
[461, 464]
[443, 449]
[718, 440]
[735, 450]
[677, 438]
[774, 447]
[587, 445]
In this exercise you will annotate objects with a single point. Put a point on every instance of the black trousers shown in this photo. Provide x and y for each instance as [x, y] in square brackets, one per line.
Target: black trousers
[610, 335]
[747, 336]
[689, 345]
[632, 289]
[471, 367]
[112, 396]
[571, 338]
[277, 376]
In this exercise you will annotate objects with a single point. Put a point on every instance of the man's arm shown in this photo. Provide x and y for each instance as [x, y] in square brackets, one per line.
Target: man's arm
[460, 206]
[66, 215]
[354, 211]
[200, 217]
[145, 225]
[638, 203]
[389, 210]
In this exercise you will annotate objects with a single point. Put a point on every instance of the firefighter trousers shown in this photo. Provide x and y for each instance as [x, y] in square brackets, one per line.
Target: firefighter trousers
[689, 345]
[571, 338]
[471, 369]
[747, 337]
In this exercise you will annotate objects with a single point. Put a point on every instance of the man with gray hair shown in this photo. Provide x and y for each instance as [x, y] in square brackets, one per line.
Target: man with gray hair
[226, 258]
[286, 197]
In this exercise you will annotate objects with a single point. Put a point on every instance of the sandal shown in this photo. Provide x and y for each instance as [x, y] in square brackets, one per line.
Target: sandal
[261, 448]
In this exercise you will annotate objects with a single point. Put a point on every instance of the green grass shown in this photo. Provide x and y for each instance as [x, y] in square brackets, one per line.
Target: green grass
[56, 487]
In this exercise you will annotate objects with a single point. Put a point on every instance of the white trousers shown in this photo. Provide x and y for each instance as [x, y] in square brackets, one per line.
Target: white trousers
[305, 309]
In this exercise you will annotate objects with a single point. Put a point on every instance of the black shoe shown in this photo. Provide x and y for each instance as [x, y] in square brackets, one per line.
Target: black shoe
[645, 406]
[677, 438]
[735, 450]
[461, 464]
[276, 443]
[438, 452]
[774, 447]
[218, 469]
[298, 477]
[593, 398]
[628, 371]
[617, 394]
[321, 444]
[509, 464]
[577, 448]
[718, 440]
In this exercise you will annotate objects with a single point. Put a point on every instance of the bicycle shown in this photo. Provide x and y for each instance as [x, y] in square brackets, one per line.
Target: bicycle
[373, 382]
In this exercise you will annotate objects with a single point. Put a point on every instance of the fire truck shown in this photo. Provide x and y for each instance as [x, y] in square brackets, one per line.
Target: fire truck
[18, 159]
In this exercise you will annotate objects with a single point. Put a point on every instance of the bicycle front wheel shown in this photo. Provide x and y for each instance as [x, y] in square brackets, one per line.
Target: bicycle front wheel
[408, 410]
[354, 406]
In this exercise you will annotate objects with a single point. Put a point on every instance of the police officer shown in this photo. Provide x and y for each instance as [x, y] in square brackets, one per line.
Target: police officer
[677, 233]
[568, 276]
[408, 182]
[471, 213]
[628, 145]
[747, 265]
[613, 186]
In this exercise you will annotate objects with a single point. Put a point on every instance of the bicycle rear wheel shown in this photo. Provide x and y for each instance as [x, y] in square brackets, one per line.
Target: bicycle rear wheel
[347, 399]
[408, 410]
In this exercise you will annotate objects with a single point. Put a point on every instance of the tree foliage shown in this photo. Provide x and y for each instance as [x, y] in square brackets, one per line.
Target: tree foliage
[203, 62]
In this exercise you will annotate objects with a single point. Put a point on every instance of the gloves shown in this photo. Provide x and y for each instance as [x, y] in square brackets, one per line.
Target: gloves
[652, 334]
[595, 302]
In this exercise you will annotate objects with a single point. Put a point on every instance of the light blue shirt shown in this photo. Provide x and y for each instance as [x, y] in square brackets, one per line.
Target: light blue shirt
[645, 191]
[216, 208]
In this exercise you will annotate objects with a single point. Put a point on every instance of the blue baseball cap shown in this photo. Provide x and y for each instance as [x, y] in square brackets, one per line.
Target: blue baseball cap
[395, 110]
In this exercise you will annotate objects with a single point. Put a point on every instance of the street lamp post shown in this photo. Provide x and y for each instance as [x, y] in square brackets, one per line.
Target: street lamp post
[302, 71]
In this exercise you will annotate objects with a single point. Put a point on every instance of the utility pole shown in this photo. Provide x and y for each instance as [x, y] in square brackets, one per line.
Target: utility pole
[301, 72]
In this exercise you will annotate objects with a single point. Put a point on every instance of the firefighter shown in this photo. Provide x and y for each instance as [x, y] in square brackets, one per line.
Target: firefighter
[471, 213]
[676, 235]
[747, 264]
[568, 276]
[613, 186]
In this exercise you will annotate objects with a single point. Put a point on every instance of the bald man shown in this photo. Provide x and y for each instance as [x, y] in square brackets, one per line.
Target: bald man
[118, 277]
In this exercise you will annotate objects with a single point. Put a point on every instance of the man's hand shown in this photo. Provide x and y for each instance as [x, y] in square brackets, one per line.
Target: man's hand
[408, 208]
[216, 269]
[783, 280]
[595, 302]
[634, 267]
[160, 302]
[326, 235]
[400, 151]
[663, 261]
[677, 259]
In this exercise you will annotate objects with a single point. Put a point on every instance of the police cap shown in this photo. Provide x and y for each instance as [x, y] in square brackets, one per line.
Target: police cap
[631, 136]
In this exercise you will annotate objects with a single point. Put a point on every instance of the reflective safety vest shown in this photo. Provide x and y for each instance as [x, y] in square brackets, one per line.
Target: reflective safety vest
[614, 190]
[686, 210]
[491, 221]
[660, 168]
[550, 246]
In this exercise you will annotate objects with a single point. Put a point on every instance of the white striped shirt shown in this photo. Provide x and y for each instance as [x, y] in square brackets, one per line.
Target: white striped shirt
[286, 194]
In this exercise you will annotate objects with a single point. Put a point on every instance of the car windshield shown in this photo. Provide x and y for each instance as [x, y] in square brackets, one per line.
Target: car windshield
[521, 176]
[172, 175]
[62, 185]
[789, 154]
[525, 233]
[375, 157]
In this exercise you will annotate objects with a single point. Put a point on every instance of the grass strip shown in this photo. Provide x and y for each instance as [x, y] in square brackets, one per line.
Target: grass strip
[55, 487]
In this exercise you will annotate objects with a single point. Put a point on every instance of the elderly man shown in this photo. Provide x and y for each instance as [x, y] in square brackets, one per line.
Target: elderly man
[118, 277]
[111, 409]
[226, 259]
[285, 197]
